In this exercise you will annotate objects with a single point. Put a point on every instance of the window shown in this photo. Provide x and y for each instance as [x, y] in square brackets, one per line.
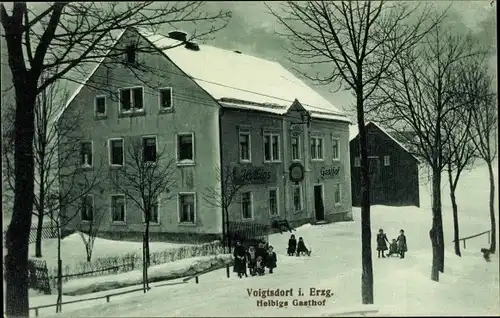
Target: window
[297, 198]
[338, 194]
[185, 148]
[246, 205]
[130, 53]
[118, 208]
[88, 208]
[153, 216]
[357, 162]
[295, 148]
[131, 99]
[187, 208]
[116, 152]
[387, 161]
[273, 201]
[166, 98]
[149, 149]
[100, 105]
[335, 149]
[86, 154]
[244, 146]
[271, 147]
[316, 148]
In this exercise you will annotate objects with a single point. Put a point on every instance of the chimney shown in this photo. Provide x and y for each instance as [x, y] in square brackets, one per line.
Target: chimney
[178, 35]
[192, 46]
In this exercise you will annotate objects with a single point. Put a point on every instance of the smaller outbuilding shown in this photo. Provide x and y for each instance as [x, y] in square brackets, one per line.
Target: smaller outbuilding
[394, 177]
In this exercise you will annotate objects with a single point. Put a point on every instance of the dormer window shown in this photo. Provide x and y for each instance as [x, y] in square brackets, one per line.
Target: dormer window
[130, 53]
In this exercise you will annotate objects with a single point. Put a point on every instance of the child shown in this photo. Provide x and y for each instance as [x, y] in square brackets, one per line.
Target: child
[402, 247]
[259, 266]
[240, 266]
[271, 260]
[393, 248]
[262, 252]
[252, 260]
[381, 243]
[292, 245]
[301, 248]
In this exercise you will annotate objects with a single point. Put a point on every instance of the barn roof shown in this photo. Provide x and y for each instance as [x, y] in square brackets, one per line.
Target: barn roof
[353, 133]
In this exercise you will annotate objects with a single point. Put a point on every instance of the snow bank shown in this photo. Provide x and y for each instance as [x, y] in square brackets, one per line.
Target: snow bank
[172, 270]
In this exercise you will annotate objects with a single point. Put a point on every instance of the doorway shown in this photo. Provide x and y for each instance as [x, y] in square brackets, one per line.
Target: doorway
[319, 207]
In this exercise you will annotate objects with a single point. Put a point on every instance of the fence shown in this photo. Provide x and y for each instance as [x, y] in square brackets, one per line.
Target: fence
[48, 232]
[38, 278]
[248, 231]
[132, 261]
[476, 235]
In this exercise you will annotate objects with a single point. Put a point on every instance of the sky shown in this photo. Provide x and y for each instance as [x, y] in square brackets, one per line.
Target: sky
[252, 31]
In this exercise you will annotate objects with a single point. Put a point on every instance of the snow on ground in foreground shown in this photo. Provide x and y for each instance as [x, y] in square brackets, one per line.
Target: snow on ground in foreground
[73, 249]
[402, 286]
[179, 268]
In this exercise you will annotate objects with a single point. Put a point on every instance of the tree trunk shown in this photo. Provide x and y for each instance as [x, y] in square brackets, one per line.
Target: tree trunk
[436, 223]
[224, 236]
[41, 191]
[366, 250]
[59, 270]
[38, 242]
[146, 254]
[456, 234]
[228, 232]
[17, 237]
[493, 234]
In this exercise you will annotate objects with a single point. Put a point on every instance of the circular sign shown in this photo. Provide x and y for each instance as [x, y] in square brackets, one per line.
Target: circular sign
[296, 172]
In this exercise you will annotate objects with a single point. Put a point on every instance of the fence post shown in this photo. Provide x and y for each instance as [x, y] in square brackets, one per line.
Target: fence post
[489, 237]
[196, 279]
[107, 298]
[227, 270]
[464, 244]
[36, 312]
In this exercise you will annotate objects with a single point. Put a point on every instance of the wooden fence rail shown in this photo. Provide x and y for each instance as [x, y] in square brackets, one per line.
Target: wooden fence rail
[473, 236]
[107, 297]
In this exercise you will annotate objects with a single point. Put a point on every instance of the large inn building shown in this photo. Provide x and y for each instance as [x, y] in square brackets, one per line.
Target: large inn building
[211, 108]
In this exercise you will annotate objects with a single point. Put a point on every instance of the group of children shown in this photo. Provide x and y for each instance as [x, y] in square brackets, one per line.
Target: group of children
[397, 246]
[256, 259]
[297, 248]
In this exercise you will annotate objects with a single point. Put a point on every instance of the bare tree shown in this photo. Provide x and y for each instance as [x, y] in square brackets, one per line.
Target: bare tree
[354, 42]
[89, 228]
[419, 97]
[484, 127]
[146, 178]
[460, 149]
[59, 39]
[223, 198]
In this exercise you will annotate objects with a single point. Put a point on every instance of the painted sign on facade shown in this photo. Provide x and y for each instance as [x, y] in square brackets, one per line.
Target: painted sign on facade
[329, 172]
[254, 175]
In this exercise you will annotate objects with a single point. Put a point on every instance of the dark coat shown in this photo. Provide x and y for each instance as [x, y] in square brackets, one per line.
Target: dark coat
[381, 242]
[402, 243]
[292, 246]
[262, 252]
[301, 247]
[252, 261]
[393, 247]
[271, 260]
[240, 263]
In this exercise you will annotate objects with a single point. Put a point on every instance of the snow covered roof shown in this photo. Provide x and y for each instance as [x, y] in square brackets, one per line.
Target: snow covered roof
[228, 74]
[353, 132]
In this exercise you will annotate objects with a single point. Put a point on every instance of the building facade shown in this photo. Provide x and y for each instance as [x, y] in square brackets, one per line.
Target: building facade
[178, 111]
[394, 178]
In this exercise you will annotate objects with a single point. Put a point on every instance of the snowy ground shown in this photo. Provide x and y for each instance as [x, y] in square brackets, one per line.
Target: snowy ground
[73, 249]
[468, 287]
